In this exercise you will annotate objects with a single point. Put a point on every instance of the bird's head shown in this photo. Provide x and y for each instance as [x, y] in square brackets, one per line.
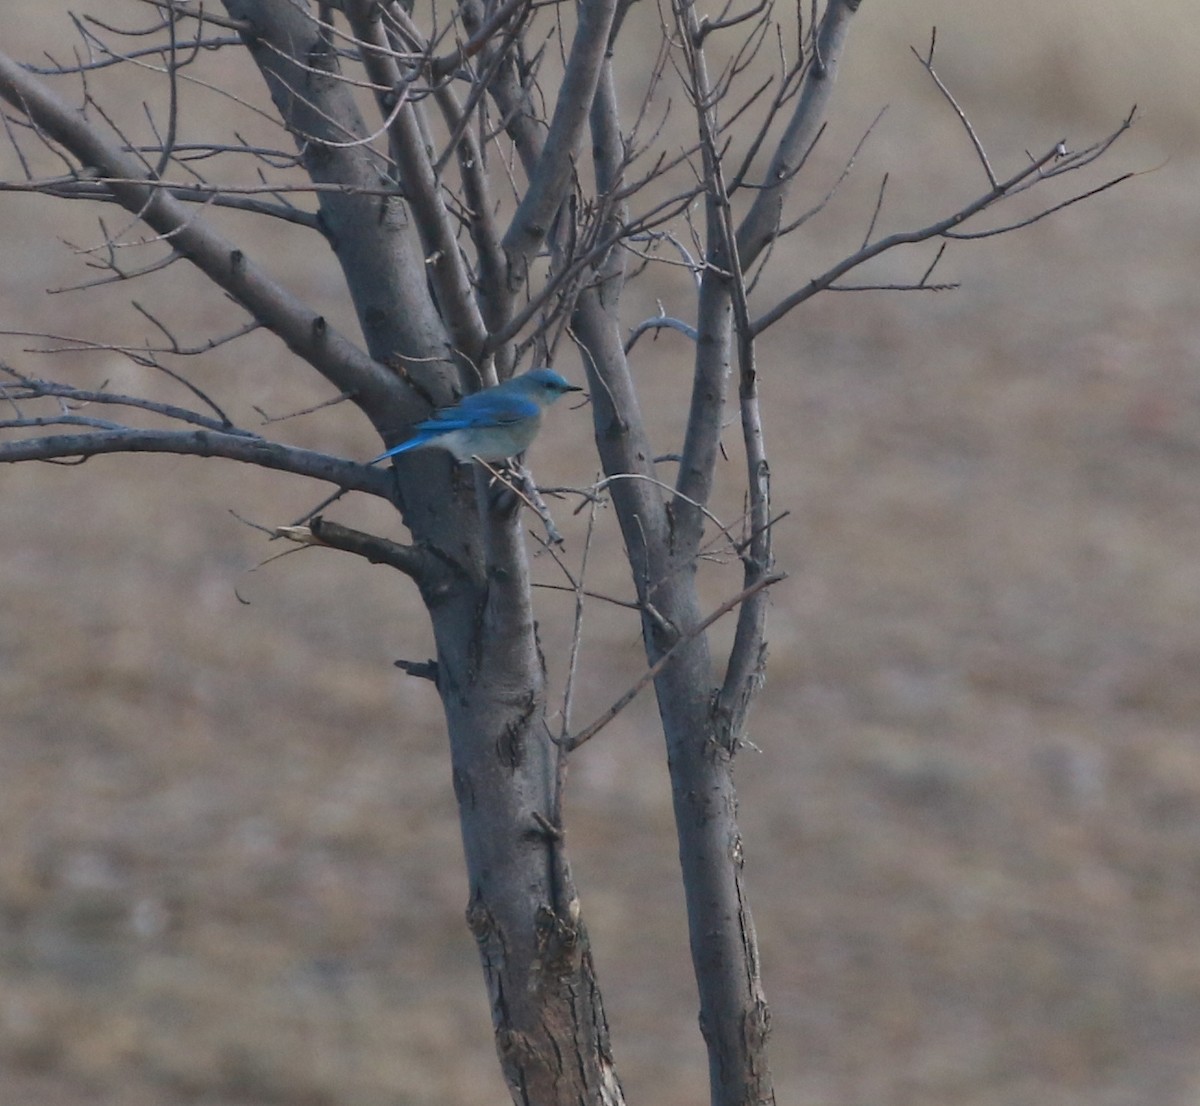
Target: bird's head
[545, 385]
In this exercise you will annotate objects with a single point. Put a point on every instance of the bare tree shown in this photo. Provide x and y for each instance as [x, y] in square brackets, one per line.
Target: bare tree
[490, 196]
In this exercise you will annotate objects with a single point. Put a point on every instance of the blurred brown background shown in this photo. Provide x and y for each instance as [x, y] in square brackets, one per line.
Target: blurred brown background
[230, 870]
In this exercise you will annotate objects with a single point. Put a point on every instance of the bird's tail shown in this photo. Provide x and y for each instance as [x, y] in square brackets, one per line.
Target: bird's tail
[415, 442]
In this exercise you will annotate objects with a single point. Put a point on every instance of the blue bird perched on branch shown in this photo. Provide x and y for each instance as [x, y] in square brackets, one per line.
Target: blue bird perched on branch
[492, 425]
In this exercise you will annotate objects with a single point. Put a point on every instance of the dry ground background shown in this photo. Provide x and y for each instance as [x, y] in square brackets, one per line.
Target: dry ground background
[229, 867]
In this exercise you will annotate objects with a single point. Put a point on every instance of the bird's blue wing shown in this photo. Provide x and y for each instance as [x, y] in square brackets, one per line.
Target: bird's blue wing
[487, 408]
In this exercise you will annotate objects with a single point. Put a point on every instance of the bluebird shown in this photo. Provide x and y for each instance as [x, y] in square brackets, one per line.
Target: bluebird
[492, 425]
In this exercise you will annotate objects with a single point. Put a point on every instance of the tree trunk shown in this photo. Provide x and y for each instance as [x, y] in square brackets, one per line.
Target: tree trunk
[550, 1029]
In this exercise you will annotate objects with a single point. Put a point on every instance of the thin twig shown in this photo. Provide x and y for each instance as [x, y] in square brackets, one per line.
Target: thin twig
[588, 732]
[927, 65]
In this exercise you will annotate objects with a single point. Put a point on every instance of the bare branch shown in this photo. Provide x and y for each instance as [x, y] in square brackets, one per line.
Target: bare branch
[409, 559]
[927, 65]
[708, 26]
[580, 263]
[500, 77]
[114, 273]
[375, 241]
[491, 265]
[23, 389]
[268, 418]
[875, 214]
[829, 39]
[551, 177]
[197, 11]
[112, 59]
[217, 196]
[701, 442]
[580, 593]
[895, 287]
[970, 236]
[943, 228]
[747, 659]
[659, 322]
[203, 443]
[306, 333]
[643, 681]
[448, 63]
[444, 263]
[171, 62]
